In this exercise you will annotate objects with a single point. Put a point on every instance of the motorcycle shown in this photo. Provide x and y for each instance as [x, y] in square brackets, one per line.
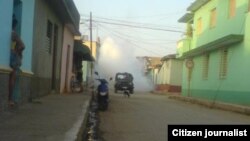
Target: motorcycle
[102, 94]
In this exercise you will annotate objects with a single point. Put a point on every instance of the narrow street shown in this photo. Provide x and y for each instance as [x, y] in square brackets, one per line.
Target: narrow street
[144, 117]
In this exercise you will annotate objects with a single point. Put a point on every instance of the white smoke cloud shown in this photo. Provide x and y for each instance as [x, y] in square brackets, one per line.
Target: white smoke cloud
[120, 58]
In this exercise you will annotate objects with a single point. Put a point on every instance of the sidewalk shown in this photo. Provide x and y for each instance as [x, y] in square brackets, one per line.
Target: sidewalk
[51, 118]
[219, 105]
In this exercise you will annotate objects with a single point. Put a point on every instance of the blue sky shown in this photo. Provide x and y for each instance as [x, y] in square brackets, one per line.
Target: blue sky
[152, 13]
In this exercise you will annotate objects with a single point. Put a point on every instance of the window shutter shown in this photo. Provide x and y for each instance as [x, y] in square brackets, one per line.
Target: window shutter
[205, 67]
[223, 63]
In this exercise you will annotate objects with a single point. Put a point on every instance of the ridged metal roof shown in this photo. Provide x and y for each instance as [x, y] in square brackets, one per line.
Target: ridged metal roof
[186, 18]
[197, 5]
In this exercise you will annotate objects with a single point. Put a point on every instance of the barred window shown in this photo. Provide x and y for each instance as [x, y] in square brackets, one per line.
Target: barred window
[205, 67]
[248, 5]
[223, 63]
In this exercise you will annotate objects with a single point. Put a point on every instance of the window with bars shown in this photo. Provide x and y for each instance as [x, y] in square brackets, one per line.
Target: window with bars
[223, 63]
[232, 8]
[199, 26]
[248, 5]
[205, 67]
[213, 17]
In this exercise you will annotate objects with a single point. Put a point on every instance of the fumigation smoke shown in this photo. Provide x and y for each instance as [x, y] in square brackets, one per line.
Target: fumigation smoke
[116, 58]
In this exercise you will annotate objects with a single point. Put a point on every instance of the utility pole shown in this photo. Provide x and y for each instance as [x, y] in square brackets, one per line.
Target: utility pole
[90, 28]
[91, 51]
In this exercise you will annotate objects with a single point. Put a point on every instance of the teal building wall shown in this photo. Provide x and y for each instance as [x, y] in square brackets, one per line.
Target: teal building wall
[27, 24]
[6, 8]
[235, 87]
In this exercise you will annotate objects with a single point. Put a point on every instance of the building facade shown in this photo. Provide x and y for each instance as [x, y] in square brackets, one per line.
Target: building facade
[216, 51]
[46, 27]
[6, 9]
[169, 75]
[56, 24]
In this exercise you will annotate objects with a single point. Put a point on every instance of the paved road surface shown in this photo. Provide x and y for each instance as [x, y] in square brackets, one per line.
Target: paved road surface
[144, 117]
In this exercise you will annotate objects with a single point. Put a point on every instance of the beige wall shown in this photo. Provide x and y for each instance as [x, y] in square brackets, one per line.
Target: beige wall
[155, 73]
[164, 73]
[67, 61]
[170, 73]
[176, 72]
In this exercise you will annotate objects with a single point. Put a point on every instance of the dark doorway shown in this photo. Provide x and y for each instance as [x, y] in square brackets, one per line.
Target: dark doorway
[54, 53]
[17, 11]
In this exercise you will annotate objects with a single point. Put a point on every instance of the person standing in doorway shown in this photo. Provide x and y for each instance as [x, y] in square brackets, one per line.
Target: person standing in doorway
[16, 50]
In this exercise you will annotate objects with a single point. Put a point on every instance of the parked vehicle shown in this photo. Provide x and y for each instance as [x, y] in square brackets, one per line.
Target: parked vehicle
[102, 94]
[123, 82]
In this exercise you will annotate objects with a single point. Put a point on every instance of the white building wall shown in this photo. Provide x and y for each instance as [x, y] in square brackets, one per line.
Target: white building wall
[156, 76]
[170, 73]
[176, 72]
[164, 73]
[167, 65]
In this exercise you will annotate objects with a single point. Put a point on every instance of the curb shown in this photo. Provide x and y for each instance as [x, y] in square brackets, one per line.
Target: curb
[76, 133]
[218, 105]
[83, 127]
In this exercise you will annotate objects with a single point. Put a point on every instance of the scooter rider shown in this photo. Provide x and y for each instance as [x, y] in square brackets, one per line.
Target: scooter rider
[102, 89]
[103, 94]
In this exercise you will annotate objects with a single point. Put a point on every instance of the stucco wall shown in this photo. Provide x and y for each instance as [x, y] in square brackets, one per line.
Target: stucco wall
[27, 24]
[42, 59]
[176, 72]
[4, 77]
[6, 8]
[67, 56]
[224, 25]
[165, 72]
[26, 33]
[170, 73]
[234, 88]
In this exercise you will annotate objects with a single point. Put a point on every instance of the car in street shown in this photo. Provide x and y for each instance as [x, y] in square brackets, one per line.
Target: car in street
[124, 81]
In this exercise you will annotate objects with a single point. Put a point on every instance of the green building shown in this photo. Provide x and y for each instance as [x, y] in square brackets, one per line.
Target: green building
[216, 51]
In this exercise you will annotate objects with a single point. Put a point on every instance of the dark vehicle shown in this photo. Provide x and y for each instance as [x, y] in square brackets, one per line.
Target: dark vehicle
[102, 93]
[123, 82]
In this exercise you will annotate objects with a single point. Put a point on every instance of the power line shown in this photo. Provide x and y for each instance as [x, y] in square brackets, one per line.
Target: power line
[132, 39]
[159, 47]
[136, 39]
[136, 23]
[147, 16]
[134, 44]
[135, 26]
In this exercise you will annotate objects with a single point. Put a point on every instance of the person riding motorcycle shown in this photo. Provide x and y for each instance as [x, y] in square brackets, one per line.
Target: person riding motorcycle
[103, 94]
